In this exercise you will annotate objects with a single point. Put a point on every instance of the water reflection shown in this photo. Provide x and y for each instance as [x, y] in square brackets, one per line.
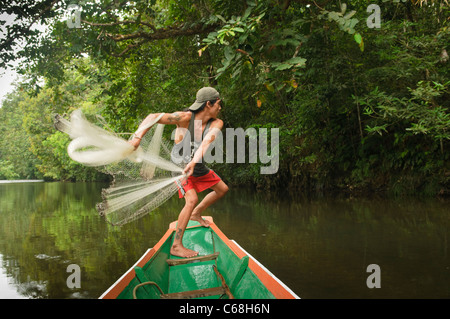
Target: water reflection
[46, 227]
[322, 246]
[319, 247]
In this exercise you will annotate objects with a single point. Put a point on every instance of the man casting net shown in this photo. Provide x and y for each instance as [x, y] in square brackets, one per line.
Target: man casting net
[144, 169]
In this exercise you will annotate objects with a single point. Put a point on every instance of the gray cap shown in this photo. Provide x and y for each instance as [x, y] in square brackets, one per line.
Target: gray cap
[203, 95]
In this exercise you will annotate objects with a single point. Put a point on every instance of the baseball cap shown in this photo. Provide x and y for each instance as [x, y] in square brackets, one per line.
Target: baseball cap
[203, 95]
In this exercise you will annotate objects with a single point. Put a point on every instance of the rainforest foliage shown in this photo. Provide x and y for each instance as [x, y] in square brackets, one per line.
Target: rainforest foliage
[359, 90]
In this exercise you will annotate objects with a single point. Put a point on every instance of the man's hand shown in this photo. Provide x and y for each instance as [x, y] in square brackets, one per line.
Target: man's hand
[189, 169]
[135, 141]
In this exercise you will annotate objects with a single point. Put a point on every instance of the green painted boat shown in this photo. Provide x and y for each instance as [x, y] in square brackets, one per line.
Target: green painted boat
[223, 270]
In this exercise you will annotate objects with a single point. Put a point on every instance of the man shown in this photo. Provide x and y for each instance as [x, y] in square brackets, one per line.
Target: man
[200, 121]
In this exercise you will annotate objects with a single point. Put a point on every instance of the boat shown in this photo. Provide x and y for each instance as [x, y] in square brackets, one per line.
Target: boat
[222, 270]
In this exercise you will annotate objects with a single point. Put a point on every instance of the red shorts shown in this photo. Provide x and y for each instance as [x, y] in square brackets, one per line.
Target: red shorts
[199, 183]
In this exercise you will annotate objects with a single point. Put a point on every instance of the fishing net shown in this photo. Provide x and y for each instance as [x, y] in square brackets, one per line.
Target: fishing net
[143, 179]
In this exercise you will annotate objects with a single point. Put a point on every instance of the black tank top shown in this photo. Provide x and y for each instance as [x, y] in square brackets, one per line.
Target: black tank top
[200, 168]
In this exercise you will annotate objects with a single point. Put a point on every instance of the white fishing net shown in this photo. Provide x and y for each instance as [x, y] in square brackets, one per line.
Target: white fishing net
[143, 179]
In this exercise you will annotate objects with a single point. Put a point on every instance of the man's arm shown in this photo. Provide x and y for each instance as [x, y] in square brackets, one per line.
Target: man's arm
[176, 118]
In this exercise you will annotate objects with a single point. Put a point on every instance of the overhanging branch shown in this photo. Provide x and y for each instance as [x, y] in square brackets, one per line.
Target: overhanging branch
[141, 37]
[151, 26]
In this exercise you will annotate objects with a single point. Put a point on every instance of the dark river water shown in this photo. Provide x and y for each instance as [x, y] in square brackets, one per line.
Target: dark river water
[319, 247]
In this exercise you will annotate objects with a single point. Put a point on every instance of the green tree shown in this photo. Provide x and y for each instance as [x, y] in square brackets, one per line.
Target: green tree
[17, 159]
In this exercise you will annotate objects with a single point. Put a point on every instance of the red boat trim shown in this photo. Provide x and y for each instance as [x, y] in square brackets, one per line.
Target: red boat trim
[271, 282]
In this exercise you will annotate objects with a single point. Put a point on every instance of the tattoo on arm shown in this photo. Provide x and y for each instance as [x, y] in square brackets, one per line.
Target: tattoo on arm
[174, 117]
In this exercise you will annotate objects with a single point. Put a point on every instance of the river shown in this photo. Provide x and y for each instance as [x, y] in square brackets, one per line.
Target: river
[320, 247]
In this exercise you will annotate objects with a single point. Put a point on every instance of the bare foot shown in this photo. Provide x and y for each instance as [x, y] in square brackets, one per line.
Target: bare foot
[198, 218]
[181, 251]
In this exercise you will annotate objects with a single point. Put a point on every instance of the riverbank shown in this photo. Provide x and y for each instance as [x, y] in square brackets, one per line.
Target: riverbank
[393, 186]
